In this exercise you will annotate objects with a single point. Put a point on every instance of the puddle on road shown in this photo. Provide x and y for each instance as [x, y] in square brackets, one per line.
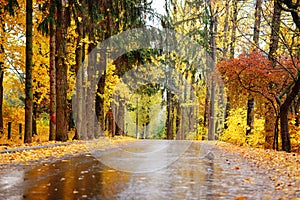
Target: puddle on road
[193, 176]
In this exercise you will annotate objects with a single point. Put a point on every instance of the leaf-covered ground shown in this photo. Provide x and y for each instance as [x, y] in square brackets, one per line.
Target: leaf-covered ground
[283, 169]
[35, 153]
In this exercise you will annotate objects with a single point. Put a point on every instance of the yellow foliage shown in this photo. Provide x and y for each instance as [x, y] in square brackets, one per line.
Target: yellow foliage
[295, 136]
[111, 80]
[236, 122]
[237, 126]
[16, 116]
[257, 139]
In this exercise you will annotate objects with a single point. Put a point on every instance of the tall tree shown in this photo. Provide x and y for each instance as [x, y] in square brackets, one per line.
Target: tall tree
[274, 40]
[61, 72]
[2, 52]
[28, 79]
[52, 133]
[213, 53]
[256, 31]
[293, 8]
[1, 96]
[7, 9]
[79, 70]
[234, 28]
[275, 28]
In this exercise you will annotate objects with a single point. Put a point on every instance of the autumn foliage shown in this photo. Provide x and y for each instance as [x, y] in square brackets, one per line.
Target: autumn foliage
[254, 75]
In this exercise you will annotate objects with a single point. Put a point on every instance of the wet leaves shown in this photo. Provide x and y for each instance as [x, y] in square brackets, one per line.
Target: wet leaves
[240, 198]
[283, 169]
[49, 151]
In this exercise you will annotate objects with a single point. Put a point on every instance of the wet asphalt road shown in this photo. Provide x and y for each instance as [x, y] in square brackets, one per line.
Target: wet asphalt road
[149, 169]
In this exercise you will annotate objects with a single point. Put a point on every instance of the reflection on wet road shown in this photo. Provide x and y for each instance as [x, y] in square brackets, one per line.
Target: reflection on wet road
[198, 173]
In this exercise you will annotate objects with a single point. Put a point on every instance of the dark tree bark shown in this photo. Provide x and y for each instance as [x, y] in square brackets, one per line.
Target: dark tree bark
[178, 121]
[284, 108]
[52, 130]
[274, 39]
[275, 27]
[169, 121]
[61, 74]
[1, 97]
[28, 78]
[257, 22]
[100, 90]
[293, 8]
[234, 28]
[297, 112]
[250, 115]
[2, 31]
[256, 31]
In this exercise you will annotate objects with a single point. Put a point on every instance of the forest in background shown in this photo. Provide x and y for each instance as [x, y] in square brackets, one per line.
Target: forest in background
[248, 95]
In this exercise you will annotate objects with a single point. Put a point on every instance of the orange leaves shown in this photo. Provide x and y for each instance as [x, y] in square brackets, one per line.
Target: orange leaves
[240, 198]
[253, 73]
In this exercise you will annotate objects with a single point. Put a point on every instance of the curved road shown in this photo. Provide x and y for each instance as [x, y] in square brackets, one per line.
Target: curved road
[148, 169]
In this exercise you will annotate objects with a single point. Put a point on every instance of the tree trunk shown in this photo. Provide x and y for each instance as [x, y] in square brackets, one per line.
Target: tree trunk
[270, 119]
[169, 121]
[52, 133]
[34, 117]
[183, 108]
[250, 115]
[275, 26]
[256, 31]
[137, 119]
[284, 129]
[227, 112]
[120, 117]
[211, 121]
[225, 30]
[233, 30]
[1, 97]
[206, 108]
[28, 79]
[83, 133]
[79, 70]
[147, 131]
[182, 126]
[257, 22]
[191, 110]
[178, 119]
[61, 74]
[100, 90]
[269, 126]
[213, 47]
[2, 55]
[297, 110]
[90, 109]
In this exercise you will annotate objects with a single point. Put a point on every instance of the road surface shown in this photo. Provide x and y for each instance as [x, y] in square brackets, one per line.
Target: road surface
[148, 169]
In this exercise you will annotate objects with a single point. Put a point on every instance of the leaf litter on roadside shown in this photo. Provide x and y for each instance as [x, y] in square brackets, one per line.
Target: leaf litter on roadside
[282, 168]
[42, 152]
